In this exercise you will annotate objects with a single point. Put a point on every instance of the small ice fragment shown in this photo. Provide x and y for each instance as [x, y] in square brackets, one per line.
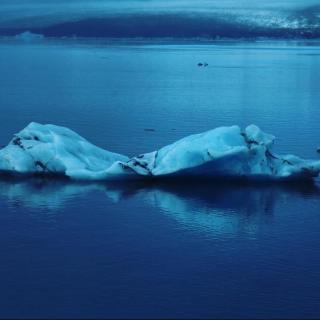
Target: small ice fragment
[29, 36]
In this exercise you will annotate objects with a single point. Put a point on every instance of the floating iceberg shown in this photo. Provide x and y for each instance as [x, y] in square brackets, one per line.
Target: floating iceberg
[29, 36]
[224, 152]
[50, 149]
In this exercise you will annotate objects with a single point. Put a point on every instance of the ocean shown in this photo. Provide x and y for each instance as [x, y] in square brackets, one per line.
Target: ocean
[143, 250]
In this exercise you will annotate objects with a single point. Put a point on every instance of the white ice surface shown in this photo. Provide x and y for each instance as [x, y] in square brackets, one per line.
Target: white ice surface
[221, 152]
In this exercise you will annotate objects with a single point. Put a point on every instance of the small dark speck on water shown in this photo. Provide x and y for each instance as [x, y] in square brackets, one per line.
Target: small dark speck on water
[149, 129]
[200, 64]
[318, 150]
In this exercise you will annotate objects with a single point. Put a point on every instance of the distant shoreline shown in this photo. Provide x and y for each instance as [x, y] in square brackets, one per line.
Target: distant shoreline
[39, 38]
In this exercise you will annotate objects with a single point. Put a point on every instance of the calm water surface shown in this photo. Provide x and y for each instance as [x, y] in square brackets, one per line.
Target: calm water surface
[159, 250]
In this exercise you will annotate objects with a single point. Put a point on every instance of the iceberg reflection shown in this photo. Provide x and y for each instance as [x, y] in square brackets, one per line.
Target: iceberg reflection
[225, 207]
[220, 207]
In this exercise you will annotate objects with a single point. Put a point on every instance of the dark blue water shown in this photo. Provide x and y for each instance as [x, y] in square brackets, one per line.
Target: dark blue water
[159, 250]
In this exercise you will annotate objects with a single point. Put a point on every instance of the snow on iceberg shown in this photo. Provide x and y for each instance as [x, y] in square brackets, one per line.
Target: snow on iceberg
[224, 152]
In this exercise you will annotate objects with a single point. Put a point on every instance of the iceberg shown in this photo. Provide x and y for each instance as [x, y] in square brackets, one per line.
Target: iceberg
[29, 36]
[49, 149]
[223, 152]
